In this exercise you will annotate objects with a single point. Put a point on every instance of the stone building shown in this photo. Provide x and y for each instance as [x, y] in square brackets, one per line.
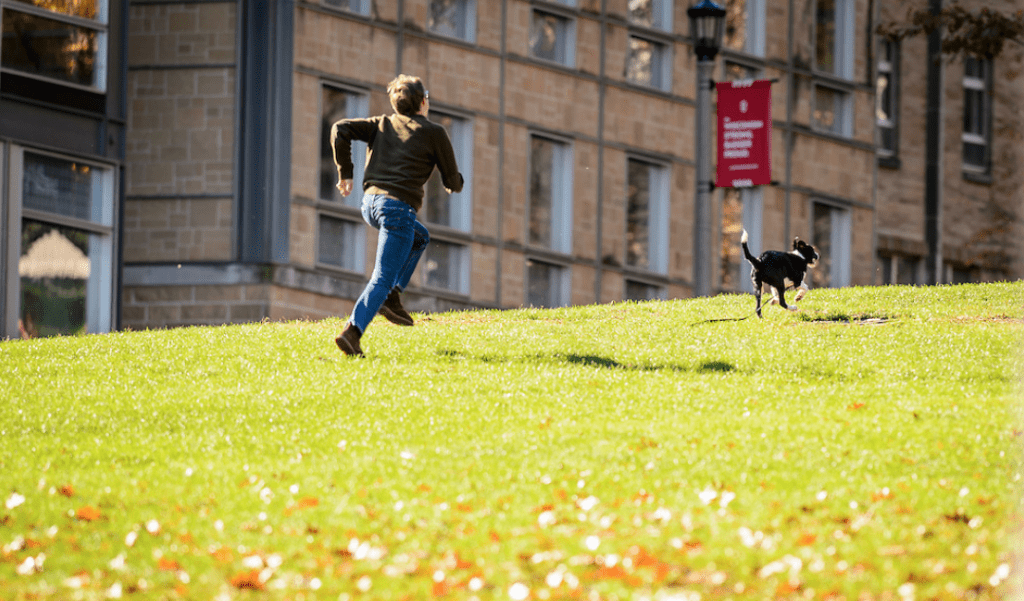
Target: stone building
[62, 130]
[573, 122]
[951, 147]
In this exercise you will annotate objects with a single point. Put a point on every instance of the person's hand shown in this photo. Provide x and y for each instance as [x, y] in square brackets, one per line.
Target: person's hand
[345, 186]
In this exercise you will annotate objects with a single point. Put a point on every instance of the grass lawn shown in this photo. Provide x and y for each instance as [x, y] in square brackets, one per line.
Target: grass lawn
[868, 446]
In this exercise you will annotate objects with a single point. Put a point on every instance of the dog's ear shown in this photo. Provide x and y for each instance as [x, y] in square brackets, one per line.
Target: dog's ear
[796, 243]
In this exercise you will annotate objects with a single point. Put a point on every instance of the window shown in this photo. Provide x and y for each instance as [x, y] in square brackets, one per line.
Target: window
[832, 111]
[550, 202]
[886, 101]
[741, 210]
[361, 7]
[453, 18]
[833, 37]
[553, 38]
[547, 284]
[341, 237]
[900, 269]
[977, 114]
[440, 207]
[649, 64]
[639, 291]
[341, 243]
[446, 264]
[647, 216]
[335, 105]
[744, 26]
[64, 223]
[65, 41]
[655, 14]
[831, 238]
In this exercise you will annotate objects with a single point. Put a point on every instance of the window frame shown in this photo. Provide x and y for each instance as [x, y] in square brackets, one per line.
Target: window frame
[102, 284]
[843, 48]
[468, 24]
[662, 17]
[840, 244]
[462, 136]
[661, 70]
[888, 66]
[751, 220]
[345, 209]
[460, 270]
[561, 290]
[100, 25]
[983, 86]
[565, 51]
[842, 107]
[362, 9]
[561, 194]
[658, 216]
[754, 29]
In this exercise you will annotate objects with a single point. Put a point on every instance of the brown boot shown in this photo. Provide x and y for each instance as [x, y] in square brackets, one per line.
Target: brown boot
[348, 342]
[393, 311]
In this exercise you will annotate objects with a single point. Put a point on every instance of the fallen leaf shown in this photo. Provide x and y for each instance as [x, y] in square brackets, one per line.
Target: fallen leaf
[88, 513]
[247, 580]
[67, 490]
[168, 565]
[807, 539]
[856, 406]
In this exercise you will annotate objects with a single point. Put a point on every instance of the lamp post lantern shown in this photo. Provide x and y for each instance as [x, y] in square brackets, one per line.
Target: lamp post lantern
[707, 24]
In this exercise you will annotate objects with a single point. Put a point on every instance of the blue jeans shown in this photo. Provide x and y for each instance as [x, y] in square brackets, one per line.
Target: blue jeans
[400, 245]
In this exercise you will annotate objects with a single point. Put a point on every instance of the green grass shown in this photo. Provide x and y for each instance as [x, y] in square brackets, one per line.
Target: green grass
[868, 446]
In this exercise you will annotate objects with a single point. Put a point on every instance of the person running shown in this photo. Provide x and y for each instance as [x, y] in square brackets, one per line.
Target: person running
[402, 151]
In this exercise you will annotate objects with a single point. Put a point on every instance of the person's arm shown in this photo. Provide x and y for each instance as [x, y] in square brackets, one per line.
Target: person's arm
[342, 134]
[446, 164]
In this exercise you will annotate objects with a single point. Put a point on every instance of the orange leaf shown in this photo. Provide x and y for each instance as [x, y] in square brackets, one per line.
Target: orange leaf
[786, 588]
[856, 406]
[88, 513]
[168, 565]
[67, 490]
[423, 488]
[441, 589]
[807, 539]
[247, 580]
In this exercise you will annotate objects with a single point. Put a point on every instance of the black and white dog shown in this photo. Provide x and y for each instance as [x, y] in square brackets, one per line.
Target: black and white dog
[780, 270]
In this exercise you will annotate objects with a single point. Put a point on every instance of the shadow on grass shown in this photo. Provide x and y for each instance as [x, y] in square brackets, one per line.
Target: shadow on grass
[594, 361]
[845, 318]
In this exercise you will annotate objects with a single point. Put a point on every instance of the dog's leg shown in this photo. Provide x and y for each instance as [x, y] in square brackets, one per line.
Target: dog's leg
[780, 296]
[757, 296]
[803, 290]
[775, 295]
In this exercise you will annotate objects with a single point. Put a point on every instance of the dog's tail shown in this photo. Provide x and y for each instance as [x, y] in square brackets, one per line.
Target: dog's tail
[746, 251]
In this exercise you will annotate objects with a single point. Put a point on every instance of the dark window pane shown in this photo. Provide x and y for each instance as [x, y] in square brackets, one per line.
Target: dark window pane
[640, 292]
[541, 190]
[545, 31]
[61, 186]
[50, 48]
[338, 241]
[638, 215]
[543, 284]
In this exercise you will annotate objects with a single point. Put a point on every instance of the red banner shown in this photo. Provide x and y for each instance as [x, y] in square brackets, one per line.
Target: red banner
[744, 133]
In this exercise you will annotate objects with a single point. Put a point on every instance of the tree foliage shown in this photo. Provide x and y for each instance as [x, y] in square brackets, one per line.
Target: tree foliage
[981, 32]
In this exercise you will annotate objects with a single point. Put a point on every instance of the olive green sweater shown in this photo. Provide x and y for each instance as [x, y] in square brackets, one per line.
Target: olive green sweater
[401, 156]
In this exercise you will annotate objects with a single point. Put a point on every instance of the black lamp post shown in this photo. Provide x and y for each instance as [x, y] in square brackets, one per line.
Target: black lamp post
[707, 24]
